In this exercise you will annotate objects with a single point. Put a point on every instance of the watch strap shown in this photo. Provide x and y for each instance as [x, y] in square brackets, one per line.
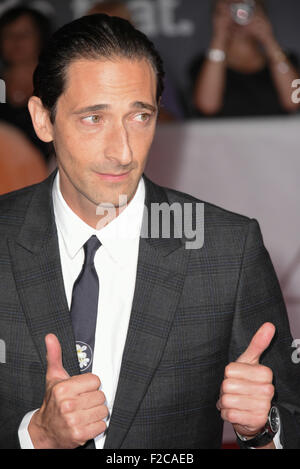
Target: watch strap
[261, 439]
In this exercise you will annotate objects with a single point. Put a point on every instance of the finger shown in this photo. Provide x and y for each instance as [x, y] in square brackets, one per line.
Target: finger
[245, 403]
[84, 401]
[81, 434]
[259, 343]
[95, 429]
[55, 369]
[86, 417]
[76, 385]
[246, 388]
[96, 414]
[80, 384]
[90, 400]
[246, 372]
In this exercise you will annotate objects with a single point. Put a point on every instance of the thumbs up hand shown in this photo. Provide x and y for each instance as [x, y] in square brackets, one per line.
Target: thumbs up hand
[73, 408]
[247, 390]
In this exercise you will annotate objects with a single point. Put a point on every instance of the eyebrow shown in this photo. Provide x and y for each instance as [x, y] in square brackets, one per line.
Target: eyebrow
[101, 107]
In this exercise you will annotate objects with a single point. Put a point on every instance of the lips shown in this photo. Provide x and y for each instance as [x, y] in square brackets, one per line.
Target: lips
[113, 177]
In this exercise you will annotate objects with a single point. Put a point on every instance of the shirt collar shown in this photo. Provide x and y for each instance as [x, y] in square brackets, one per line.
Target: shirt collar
[117, 237]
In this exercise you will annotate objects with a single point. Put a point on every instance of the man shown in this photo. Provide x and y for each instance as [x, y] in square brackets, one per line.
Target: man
[163, 321]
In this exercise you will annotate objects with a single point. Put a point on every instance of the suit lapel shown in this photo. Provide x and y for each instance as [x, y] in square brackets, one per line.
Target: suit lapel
[38, 276]
[161, 269]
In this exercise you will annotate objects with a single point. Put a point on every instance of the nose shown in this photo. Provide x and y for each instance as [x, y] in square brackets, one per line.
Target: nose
[117, 145]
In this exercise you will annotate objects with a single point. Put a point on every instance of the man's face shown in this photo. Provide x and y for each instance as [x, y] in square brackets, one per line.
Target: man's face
[103, 130]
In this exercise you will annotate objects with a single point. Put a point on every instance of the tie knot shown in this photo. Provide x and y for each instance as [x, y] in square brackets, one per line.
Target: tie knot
[90, 248]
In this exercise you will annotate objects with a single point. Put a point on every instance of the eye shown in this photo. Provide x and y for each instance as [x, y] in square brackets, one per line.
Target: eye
[143, 117]
[94, 119]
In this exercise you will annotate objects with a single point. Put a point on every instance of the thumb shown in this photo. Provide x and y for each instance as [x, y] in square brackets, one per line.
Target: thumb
[55, 369]
[259, 343]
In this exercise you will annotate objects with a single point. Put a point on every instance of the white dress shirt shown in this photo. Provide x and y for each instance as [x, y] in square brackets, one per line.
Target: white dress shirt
[115, 263]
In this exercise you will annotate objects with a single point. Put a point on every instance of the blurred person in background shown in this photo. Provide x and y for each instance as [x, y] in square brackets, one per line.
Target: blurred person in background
[245, 72]
[23, 32]
[170, 109]
[21, 163]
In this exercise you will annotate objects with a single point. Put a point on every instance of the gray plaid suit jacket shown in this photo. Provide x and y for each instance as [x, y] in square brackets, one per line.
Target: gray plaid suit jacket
[193, 312]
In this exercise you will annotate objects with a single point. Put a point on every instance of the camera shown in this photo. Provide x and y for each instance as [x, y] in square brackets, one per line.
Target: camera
[242, 12]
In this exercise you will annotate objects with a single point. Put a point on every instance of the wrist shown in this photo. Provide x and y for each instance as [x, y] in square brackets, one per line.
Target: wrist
[273, 50]
[216, 56]
[278, 59]
[246, 435]
[38, 434]
[217, 50]
[219, 41]
[259, 440]
[263, 439]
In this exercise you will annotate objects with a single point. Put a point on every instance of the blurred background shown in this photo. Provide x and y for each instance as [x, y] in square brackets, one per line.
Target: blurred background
[228, 131]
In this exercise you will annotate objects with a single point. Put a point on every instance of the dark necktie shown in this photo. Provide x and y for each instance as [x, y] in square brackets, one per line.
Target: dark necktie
[84, 306]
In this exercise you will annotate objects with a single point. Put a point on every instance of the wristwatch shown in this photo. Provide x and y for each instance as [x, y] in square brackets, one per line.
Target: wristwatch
[216, 55]
[265, 436]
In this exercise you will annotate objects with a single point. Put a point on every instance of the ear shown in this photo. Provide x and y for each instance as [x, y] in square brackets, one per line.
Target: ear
[40, 119]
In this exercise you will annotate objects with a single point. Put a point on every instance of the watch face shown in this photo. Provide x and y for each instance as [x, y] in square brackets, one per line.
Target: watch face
[274, 419]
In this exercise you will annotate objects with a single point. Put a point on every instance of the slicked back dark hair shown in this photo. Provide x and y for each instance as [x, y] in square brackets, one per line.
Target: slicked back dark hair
[90, 37]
